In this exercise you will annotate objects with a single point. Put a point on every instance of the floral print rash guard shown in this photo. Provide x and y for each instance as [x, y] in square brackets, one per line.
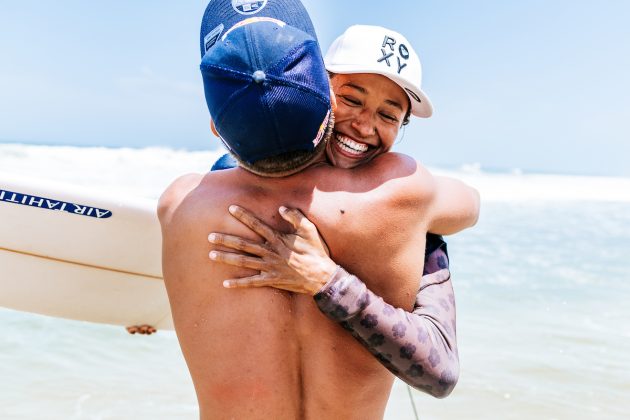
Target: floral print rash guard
[419, 347]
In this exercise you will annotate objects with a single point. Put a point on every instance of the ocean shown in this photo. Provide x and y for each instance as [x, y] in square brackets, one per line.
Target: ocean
[542, 284]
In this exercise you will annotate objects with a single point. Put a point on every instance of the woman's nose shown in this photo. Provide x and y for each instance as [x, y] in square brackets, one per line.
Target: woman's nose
[364, 124]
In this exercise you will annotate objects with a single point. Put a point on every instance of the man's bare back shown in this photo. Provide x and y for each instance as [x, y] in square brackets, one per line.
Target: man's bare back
[265, 353]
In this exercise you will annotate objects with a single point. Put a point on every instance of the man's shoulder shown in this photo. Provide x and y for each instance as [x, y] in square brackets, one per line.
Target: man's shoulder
[395, 161]
[196, 198]
[391, 183]
[186, 199]
[402, 176]
[175, 193]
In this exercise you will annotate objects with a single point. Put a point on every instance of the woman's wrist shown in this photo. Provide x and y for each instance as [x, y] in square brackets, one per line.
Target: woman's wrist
[327, 273]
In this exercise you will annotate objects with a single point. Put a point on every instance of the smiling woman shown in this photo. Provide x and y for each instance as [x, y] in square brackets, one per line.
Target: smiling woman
[376, 76]
[370, 111]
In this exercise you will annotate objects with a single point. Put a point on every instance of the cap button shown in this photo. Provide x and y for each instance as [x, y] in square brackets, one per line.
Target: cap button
[259, 76]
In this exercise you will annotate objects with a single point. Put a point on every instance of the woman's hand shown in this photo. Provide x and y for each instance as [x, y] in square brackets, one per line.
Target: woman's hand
[297, 262]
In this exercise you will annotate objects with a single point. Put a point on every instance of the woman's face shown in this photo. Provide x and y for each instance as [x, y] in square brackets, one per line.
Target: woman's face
[370, 111]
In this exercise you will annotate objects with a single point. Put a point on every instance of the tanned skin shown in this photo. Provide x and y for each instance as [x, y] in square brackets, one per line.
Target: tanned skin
[266, 353]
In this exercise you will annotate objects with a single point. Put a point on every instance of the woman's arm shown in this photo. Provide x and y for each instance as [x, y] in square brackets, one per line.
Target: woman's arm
[419, 347]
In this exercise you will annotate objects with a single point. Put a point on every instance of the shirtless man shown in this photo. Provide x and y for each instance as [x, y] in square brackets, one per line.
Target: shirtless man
[263, 352]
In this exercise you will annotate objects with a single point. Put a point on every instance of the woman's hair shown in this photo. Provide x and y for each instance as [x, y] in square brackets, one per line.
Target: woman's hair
[405, 120]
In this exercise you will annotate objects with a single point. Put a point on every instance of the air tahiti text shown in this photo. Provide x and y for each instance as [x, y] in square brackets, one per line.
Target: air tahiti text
[50, 204]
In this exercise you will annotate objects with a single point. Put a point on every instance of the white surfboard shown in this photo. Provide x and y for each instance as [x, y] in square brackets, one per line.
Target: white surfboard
[73, 253]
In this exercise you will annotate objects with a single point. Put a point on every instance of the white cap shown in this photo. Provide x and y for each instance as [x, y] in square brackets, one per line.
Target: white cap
[374, 49]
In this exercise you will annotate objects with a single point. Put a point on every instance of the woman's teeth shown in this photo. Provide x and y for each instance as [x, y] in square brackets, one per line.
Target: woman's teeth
[351, 146]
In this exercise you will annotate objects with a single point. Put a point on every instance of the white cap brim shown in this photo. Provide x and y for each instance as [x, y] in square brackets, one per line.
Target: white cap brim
[420, 103]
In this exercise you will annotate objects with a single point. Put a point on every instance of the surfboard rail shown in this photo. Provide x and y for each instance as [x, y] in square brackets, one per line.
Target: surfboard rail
[83, 254]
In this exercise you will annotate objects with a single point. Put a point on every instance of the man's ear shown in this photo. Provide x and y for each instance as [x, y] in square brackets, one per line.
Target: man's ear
[333, 100]
[213, 128]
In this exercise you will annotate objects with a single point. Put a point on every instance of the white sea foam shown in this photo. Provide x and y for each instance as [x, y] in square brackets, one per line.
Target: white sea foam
[141, 172]
[519, 187]
[146, 172]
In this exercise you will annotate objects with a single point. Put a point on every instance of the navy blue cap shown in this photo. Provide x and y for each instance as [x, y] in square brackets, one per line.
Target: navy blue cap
[266, 89]
[221, 15]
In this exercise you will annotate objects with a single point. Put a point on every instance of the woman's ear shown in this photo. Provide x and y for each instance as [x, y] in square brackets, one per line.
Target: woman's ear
[333, 100]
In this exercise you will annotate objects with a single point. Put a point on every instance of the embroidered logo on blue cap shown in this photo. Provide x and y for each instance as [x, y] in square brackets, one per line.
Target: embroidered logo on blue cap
[252, 20]
[211, 39]
[248, 7]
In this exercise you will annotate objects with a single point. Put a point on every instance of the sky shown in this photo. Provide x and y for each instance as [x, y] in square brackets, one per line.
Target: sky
[537, 86]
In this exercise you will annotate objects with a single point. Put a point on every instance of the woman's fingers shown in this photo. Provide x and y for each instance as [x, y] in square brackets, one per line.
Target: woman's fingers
[259, 280]
[252, 222]
[238, 260]
[238, 243]
[303, 228]
[297, 219]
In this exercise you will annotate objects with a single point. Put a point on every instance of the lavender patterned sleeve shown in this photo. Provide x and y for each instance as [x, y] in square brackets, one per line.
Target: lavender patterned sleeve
[418, 347]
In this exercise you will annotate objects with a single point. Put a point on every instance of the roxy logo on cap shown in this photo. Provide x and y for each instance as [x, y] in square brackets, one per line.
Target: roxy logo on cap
[394, 54]
[248, 7]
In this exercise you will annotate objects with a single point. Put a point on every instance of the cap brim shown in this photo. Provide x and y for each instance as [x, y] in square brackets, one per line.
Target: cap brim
[420, 106]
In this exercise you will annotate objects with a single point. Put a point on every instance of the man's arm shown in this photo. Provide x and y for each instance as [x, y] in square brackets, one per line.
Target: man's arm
[168, 202]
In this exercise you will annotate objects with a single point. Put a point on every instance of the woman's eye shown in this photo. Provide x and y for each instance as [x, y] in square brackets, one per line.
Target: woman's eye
[389, 118]
[351, 100]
